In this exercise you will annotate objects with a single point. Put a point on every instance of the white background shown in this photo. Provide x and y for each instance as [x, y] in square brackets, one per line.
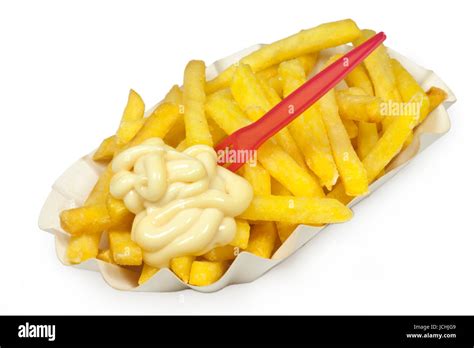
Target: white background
[65, 71]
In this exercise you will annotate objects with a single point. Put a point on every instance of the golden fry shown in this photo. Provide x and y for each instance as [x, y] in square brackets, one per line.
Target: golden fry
[194, 97]
[296, 210]
[124, 250]
[306, 41]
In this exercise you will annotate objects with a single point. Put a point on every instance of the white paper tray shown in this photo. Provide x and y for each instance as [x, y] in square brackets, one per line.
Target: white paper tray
[72, 187]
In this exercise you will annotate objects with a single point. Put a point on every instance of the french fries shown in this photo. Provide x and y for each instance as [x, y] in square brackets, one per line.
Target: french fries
[305, 174]
[197, 129]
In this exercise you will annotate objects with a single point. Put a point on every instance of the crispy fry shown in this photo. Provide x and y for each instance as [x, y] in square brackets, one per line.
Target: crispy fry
[308, 129]
[147, 273]
[106, 150]
[181, 266]
[242, 234]
[350, 168]
[297, 210]
[207, 272]
[90, 219]
[132, 118]
[194, 97]
[277, 162]
[305, 42]
[262, 239]
[83, 247]
[124, 250]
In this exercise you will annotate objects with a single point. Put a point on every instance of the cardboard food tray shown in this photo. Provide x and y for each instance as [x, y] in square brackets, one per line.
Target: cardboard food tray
[72, 187]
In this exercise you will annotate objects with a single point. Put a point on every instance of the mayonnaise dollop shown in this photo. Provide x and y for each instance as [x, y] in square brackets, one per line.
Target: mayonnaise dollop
[184, 202]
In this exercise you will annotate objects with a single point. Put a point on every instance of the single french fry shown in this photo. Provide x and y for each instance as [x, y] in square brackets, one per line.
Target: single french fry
[262, 239]
[255, 97]
[350, 168]
[147, 272]
[360, 78]
[308, 129]
[207, 272]
[351, 128]
[132, 118]
[380, 69]
[106, 150]
[277, 162]
[82, 247]
[106, 256]
[124, 250]
[181, 266]
[367, 138]
[436, 96]
[305, 42]
[296, 210]
[90, 219]
[258, 178]
[389, 145]
[242, 234]
[194, 97]
[177, 133]
[223, 253]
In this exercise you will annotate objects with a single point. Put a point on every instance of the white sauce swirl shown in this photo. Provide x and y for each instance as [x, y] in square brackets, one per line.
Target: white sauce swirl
[184, 202]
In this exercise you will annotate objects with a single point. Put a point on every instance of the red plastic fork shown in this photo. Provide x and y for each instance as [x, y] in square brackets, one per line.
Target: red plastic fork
[249, 138]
